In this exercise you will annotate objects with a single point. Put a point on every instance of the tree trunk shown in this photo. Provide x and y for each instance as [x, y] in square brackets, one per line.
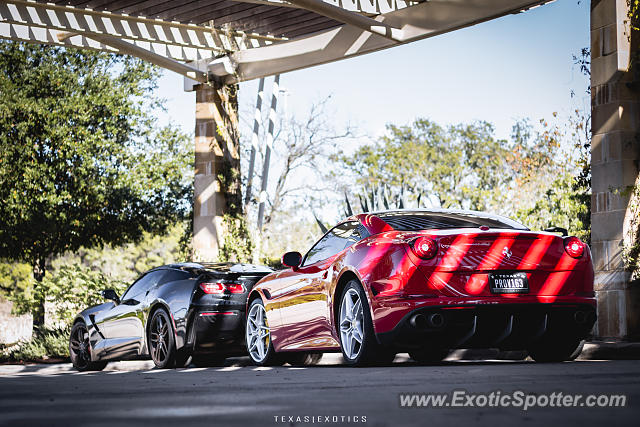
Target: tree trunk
[38, 274]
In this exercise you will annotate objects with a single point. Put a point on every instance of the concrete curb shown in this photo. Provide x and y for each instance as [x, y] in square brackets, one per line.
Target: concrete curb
[601, 350]
[593, 350]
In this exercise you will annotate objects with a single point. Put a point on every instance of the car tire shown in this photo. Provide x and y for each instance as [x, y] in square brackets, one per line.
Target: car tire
[80, 349]
[429, 355]
[556, 349]
[303, 359]
[161, 342]
[258, 337]
[355, 329]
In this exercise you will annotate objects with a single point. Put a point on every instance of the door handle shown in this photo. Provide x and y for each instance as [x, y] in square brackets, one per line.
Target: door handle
[325, 274]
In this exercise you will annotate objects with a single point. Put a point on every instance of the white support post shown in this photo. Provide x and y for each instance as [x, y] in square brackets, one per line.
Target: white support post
[257, 118]
[267, 153]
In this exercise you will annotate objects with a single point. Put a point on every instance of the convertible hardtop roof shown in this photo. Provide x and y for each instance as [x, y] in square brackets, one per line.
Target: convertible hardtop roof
[452, 212]
[474, 218]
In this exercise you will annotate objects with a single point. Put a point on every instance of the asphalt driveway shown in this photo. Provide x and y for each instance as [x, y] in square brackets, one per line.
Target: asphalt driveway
[132, 393]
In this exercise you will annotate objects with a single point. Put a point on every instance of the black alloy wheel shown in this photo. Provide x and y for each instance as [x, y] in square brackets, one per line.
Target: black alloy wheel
[80, 349]
[162, 347]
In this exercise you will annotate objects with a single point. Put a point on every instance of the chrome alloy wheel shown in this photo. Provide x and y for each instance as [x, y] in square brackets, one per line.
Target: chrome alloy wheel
[257, 333]
[351, 323]
[159, 338]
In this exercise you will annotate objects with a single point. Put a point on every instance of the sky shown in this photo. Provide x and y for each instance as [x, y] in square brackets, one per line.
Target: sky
[513, 67]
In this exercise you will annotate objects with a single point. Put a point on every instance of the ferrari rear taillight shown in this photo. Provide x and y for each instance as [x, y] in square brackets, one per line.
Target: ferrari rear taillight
[221, 288]
[574, 247]
[425, 247]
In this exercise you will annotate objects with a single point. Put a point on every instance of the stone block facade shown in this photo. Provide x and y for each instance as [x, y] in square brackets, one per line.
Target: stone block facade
[13, 328]
[615, 156]
[216, 151]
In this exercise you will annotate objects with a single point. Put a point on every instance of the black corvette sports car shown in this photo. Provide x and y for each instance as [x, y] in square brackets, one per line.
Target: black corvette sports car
[169, 314]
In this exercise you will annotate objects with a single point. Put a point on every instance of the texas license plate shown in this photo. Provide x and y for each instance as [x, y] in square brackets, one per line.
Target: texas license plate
[508, 283]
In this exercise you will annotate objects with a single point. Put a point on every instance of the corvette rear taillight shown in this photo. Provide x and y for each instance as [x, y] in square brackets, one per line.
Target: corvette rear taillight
[425, 247]
[574, 247]
[234, 288]
[221, 288]
[212, 288]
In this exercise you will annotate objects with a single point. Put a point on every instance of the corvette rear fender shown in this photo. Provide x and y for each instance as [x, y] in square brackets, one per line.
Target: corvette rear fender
[177, 307]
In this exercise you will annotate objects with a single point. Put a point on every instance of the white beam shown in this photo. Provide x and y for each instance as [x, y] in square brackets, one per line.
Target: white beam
[25, 33]
[178, 41]
[159, 60]
[417, 22]
[351, 18]
[368, 7]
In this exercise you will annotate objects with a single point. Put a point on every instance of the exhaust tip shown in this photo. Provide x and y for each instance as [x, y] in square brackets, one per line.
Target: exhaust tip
[418, 321]
[580, 317]
[435, 320]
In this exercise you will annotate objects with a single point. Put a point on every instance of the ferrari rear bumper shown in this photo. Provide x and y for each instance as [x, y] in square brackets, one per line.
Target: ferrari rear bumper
[504, 326]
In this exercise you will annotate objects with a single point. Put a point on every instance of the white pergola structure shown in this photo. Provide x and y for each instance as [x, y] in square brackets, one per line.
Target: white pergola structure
[227, 41]
[217, 43]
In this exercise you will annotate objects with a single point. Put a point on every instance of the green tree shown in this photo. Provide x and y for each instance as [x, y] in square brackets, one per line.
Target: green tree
[559, 205]
[539, 176]
[82, 160]
[461, 166]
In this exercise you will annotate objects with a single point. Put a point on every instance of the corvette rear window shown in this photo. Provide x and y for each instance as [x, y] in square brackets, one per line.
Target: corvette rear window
[432, 221]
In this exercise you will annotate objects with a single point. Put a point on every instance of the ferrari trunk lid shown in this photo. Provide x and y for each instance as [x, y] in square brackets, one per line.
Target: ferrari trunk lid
[504, 250]
[485, 263]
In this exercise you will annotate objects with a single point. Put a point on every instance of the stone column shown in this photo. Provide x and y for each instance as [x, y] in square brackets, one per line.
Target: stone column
[217, 189]
[615, 152]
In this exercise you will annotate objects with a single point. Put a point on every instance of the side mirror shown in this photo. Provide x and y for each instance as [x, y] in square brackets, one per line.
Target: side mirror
[110, 294]
[292, 259]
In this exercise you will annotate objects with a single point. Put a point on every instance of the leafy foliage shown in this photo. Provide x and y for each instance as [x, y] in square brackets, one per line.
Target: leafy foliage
[128, 261]
[82, 163]
[45, 344]
[14, 277]
[634, 13]
[631, 249]
[558, 205]
[66, 293]
[81, 160]
[534, 176]
[237, 245]
[425, 164]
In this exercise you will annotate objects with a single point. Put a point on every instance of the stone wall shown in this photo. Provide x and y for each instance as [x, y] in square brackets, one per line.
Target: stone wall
[615, 153]
[216, 151]
[13, 328]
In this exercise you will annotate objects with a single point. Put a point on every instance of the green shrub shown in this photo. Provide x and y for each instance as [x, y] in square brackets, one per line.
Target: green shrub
[70, 290]
[44, 344]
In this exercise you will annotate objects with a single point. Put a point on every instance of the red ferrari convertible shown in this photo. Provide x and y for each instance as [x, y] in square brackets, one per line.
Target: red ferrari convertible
[425, 282]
